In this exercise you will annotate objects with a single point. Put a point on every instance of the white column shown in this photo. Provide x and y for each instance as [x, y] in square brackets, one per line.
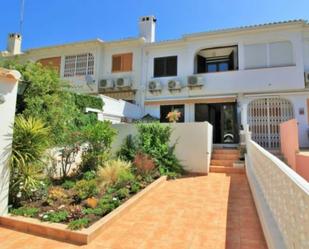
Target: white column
[8, 93]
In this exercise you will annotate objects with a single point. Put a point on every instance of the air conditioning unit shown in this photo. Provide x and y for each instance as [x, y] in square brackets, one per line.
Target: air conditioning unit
[195, 80]
[154, 85]
[173, 85]
[123, 83]
[307, 79]
[106, 84]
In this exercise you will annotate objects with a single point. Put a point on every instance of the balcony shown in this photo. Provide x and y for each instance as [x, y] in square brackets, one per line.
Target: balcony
[240, 81]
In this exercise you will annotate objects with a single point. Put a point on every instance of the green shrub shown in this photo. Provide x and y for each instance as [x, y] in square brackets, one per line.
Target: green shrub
[108, 203]
[59, 216]
[125, 177]
[25, 211]
[128, 149]
[84, 101]
[113, 171]
[135, 187]
[99, 137]
[154, 141]
[89, 175]
[123, 193]
[85, 189]
[95, 211]
[78, 224]
[68, 184]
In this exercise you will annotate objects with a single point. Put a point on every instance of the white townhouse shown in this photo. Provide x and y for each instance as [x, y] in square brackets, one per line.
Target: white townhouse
[255, 75]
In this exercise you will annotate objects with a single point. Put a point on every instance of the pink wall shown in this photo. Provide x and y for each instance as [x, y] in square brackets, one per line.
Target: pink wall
[289, 141]
[290, 148]
[302, 165]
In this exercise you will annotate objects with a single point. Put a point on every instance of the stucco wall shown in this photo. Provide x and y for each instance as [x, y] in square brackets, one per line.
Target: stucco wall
[281, 197]
[193, 146]
[8, 88]
[302, 165]
[289, 141]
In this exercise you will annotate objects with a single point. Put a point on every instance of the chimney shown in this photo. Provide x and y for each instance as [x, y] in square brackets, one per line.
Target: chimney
[14, 43]
[147, 28]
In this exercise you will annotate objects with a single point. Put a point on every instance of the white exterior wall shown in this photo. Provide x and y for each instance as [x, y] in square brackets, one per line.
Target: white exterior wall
[229, 82]
[193, 143]
[298, 101]
[8, 89]
[105, 70]
[78, 82]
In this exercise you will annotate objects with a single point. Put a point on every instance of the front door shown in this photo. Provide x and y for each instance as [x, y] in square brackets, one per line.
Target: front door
[223, 117]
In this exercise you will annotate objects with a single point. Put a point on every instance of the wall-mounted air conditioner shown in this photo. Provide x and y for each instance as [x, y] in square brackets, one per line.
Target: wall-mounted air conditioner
[105, 84]
[123, 82]
[154, 86]
[174, 85]
[195, 81]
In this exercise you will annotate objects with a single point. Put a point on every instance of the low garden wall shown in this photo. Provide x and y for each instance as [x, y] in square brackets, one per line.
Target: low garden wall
[193, 143]
[281, 197]
[8, 91]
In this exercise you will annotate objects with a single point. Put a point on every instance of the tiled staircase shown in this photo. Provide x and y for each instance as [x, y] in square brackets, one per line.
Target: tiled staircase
[223, 159]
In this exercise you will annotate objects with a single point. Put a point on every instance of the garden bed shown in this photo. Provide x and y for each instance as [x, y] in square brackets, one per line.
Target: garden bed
[84, 236]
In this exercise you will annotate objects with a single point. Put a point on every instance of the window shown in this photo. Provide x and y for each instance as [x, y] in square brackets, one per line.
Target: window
[78, 65]
[280, 54]
[165, 66]
[217, 59]
[122, 62]
[256, 56]
[52, 62]
[268, 55]
[201, 112]
[165, 109]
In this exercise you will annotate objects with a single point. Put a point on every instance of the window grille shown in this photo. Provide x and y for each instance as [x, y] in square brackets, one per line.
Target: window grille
[78, 65]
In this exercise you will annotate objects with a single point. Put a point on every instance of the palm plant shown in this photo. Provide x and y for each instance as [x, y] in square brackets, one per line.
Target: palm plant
[30, 141]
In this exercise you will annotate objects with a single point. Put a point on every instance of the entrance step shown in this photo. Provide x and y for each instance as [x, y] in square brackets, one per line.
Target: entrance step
[226, 151]
[226, 160]
[224, 169]
[222, 156]
[222, 162]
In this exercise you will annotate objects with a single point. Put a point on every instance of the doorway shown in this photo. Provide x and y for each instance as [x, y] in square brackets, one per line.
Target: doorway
[264, 118]
[223, 117]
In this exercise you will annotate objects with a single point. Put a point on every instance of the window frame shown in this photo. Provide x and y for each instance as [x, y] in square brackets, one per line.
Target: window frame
[166, 72]
[77, 71]
[122, 63]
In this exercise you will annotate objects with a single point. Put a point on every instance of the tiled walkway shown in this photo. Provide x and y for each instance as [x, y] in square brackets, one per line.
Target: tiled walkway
[214, 211]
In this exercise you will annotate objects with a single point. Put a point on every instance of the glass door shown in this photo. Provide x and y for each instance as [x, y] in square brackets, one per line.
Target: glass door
[229, 134]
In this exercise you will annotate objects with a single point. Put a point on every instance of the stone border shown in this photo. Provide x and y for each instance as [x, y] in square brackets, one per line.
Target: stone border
[85, 236]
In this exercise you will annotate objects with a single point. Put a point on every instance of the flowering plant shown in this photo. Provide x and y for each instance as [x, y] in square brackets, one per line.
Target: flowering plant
[173, 116]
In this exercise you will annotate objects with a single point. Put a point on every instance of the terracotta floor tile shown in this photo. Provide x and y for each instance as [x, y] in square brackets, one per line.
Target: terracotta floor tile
[215, 211]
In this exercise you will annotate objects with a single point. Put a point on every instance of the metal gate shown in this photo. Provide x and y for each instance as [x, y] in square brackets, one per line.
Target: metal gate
[264, 117]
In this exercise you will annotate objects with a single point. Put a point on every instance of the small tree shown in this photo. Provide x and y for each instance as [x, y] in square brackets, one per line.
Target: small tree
[99, 137]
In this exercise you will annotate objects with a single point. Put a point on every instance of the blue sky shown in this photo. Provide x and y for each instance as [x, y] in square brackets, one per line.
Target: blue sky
[49, 22]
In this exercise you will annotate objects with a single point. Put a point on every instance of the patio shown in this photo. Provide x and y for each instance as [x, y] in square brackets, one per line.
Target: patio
[214, 211]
